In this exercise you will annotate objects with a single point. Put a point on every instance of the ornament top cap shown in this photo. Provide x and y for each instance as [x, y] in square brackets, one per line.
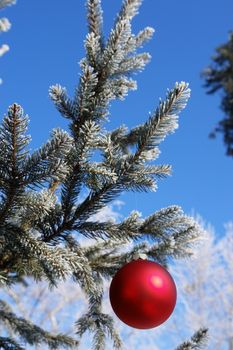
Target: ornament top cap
[139, 255]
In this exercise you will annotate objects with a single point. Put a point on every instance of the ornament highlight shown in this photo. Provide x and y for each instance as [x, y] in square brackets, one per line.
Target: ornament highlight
[143, 294]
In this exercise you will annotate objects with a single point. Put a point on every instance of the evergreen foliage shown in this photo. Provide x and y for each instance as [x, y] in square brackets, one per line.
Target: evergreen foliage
[219, 76]
[39, 229]
[196, 341]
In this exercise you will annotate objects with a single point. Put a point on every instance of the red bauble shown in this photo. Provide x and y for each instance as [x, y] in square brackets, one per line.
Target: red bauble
[143, 294]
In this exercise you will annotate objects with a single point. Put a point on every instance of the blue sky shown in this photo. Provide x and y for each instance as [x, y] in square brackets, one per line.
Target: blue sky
[46, 41]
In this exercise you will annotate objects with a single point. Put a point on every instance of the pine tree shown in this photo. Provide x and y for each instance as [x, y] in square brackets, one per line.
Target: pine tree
[41, 213]
[219, 76]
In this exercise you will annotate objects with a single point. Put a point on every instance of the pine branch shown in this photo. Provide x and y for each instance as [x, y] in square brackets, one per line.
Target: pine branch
[4, 3]
[93, 51]
[132, 64]
[54, 263]
[137, 177]
[96, 321]
[3, 49]
[89, 133]
[50, 225]
[85, 95]
[95, 201]
[137, 41]
[9, 344]
[198, 341]
[8, 203]
[12, 142]
[133, 176]
[48, 162]
[131, 138]
[95, 20]
[160, 171]
[164, 120]
[119, 87]
[103, 246]
[114, 51]
[79, 171]
[97, 87]
[58, 95]
[129, 9]
[78, 165]
[172, 231]
[94, 16]
[5, 25]
[101, 325]
[96, 175]
[31, 333]
[111, 153]
[9, 279]
[149, 136]
[143, 36]
[49, 260]
[162, 219]
[175, 245]
[53, 186]
[33, 207]
[118, 139]
[70, 189]
[142, 177]
[101, 230]
[105, 64]
[107, 261]
[138, 182]
[26, 247]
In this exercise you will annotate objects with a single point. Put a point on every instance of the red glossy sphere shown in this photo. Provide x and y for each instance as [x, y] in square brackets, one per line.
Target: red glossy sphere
[143, 294]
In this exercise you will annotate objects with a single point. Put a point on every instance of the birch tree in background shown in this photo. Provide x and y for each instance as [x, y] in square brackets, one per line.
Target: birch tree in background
[205, 289]
[41, 214]
[4, 26]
